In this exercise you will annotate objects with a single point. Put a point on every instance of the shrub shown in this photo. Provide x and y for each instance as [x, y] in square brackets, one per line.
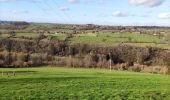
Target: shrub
[142, 56]
[7, 59]
[167, 61]
[20, 60]
[122, 66]
[78, 62]
[14, 56]
[167, 38]
[134, 68]
[165, 70]
[18, 64]
[148, 69]
[103, 64]
[60, 61]
[90, 60]
[51, 49]
[21, 57]
[36, 59]
[104, 40]
[1, 63]
[129, 39]
[69, 62]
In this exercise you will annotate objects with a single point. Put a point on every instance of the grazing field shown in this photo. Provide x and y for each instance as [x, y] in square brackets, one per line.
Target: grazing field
[68, 83]
[20, 34]
[59, 36]
[107, 39]
[103, 38]
[110, 38]
[26, 34]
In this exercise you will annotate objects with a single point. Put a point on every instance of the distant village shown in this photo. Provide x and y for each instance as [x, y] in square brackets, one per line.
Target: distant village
[81, 29]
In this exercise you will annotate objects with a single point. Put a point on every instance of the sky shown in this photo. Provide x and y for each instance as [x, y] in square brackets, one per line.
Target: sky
[102, 12]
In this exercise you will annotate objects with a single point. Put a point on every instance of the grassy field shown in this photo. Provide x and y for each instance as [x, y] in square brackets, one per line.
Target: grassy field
[46, 83]
[26, 34]
[20, 35]
[110, 38]
[59, 36]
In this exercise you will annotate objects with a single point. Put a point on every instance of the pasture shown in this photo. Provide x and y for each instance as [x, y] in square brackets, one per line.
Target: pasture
[104, 39]
[110, 38]
[26, 34]
[58, 83]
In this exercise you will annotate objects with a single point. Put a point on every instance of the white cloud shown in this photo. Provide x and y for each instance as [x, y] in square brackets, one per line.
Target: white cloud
[64, 8]
[72, 1]
[164, 15]
[18, 12]
[118, 14]
[148, 3]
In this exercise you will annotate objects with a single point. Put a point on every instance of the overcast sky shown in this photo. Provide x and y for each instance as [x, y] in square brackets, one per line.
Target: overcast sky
[104, 12]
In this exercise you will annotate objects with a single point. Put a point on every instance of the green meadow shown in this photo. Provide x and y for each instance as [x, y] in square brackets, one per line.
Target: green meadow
[110, 38]
[58, 83]
[106, 39]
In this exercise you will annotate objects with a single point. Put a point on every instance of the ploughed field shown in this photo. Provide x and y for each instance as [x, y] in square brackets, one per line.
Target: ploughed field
[58, 83]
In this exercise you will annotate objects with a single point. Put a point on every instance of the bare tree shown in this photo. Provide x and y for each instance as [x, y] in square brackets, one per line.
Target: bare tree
[167, 38]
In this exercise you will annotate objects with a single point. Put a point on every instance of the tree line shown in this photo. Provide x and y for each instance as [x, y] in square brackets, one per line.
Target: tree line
[36, 52]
